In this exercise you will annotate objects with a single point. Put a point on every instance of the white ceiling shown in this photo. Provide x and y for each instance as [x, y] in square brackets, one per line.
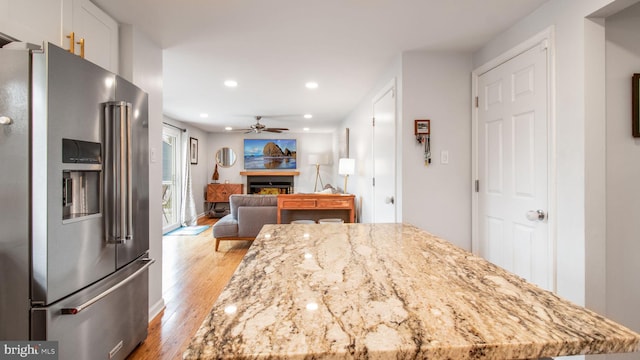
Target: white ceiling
[272, 47]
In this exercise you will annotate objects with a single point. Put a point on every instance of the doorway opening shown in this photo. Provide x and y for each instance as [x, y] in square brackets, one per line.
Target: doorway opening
[171, 177]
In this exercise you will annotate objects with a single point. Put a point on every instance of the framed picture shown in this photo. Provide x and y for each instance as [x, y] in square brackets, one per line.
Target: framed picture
[343, 144]
[270, 154]
[635, 103]
[193, 150]
[422, 127]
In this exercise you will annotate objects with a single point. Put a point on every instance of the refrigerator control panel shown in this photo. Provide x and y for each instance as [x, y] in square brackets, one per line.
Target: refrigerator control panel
[81, 152]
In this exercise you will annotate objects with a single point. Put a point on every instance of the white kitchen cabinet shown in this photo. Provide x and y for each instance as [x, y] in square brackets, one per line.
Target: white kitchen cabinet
[100, 34]
[36, 21]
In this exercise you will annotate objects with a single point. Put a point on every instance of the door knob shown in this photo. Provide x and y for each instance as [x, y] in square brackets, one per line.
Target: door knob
[5, 120]
[389, 200]
[535, 215]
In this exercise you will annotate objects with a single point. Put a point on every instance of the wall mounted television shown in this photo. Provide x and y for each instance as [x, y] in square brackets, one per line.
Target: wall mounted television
[270, 154]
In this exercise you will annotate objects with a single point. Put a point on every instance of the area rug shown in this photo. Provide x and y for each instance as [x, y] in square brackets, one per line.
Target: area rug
[187, 230]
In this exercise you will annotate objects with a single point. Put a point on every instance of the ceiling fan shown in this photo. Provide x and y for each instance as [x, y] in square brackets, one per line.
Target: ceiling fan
[258, 128]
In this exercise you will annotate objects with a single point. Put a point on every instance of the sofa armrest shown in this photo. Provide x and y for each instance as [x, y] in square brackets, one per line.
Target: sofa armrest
[252, 218]
[225, 227]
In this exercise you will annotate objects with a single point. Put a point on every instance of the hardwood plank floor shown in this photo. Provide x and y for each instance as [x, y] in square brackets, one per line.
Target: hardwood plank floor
[193, 276]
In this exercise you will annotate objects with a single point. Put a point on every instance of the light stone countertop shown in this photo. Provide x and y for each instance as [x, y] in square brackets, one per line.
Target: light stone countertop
[389, 291]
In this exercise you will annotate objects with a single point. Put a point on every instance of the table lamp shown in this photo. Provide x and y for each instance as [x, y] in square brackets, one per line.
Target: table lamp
[317, 160]
[346, 167]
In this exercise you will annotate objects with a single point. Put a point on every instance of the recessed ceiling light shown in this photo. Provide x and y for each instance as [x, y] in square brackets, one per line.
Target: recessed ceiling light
[311, 85]
[230, 83]
[204, 116]
[228, 128]
[306, 129]
[308, 116]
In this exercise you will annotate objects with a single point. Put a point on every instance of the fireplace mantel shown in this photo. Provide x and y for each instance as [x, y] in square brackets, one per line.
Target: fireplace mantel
[269, 173]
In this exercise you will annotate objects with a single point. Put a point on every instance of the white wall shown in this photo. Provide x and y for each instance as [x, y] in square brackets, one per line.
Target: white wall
[200, 170]
[568, 19]
[437, 198]
[141, 63]
[623, 171]
[307, 143]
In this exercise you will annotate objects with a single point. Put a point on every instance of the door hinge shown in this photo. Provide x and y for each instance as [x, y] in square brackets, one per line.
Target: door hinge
[373, 121]
[477, 101]
[477, 185]
[374, 181]
[544, 45]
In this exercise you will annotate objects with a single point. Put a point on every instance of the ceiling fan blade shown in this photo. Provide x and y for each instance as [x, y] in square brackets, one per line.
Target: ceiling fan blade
[281, 129]
[273, 130]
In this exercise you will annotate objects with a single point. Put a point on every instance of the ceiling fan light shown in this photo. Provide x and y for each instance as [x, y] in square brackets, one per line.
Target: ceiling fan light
[228, 128]
[311, 85]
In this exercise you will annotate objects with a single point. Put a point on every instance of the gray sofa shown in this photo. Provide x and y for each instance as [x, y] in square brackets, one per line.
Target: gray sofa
[247, 215]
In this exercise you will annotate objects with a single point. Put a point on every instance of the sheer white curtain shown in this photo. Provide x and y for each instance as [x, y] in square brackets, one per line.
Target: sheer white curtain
[188, 215]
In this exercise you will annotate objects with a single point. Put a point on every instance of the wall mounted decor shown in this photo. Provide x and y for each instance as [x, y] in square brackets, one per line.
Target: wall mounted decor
[422, 130]
[343, 144]
[635, 103]
[193, 153]
[272, 154]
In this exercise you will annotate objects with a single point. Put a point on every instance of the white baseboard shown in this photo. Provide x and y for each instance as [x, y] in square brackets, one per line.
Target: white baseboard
[156, 309]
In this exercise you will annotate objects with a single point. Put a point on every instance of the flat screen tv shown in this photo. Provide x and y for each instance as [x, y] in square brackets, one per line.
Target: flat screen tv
[269, 154]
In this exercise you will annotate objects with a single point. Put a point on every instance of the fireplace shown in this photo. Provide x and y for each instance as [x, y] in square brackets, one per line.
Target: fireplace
[269, 185]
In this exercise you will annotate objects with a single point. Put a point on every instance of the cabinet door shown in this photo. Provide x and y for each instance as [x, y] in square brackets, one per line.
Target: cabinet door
[213, 193]
[35, 21]
[100, 34]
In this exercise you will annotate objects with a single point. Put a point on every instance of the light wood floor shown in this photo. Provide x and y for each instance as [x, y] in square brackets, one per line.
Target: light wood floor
[193, 277]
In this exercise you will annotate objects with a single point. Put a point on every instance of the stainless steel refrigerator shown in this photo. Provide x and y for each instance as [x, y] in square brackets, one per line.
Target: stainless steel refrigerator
[74, 221]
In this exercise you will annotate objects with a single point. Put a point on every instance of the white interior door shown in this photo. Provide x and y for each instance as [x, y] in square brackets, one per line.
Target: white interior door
[384, 157]
[512, 166]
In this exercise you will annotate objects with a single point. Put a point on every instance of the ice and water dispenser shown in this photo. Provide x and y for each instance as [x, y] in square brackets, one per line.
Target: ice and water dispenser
[81, 182]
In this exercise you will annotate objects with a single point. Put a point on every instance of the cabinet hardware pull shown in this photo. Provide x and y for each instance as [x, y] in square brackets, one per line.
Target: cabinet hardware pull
[72, 42]
[81, 43]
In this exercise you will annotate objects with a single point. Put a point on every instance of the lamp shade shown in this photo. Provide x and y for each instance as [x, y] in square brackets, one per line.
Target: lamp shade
[347, 166]
[318, 159]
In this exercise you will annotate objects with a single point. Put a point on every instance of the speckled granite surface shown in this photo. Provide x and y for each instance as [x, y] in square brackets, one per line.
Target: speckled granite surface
[383, 291]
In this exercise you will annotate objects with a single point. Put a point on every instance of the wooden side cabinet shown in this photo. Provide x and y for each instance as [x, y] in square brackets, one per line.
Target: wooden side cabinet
[219, 193]
[317, 202]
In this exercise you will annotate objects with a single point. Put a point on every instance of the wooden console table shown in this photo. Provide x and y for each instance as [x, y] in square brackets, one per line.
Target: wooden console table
[219, 193]
[320, 202]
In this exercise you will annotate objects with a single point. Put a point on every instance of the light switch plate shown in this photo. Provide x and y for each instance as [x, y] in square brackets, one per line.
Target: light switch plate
[444, 157]
[153, 155]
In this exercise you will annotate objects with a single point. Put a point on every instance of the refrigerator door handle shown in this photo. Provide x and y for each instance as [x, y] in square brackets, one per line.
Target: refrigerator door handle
[118, 184]
[76, 309]
[127, 168]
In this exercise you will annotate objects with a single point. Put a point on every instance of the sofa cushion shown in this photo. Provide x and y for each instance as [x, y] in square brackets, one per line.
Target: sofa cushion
[252, 218]
[227, 226]
[238, 200]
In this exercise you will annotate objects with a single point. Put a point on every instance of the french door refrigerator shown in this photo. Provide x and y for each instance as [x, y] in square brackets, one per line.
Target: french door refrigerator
[74, 224]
